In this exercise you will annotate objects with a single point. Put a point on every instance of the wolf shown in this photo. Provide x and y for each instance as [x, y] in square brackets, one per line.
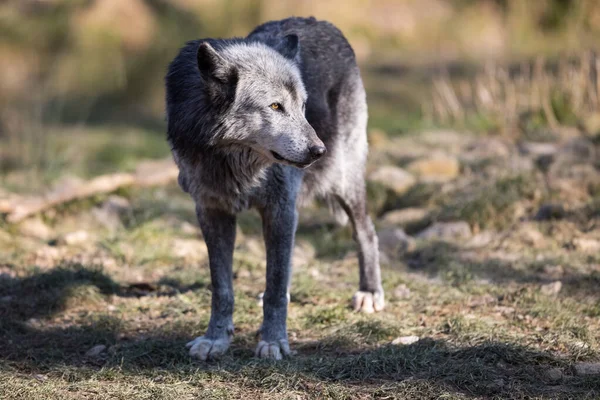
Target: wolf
[267, 122]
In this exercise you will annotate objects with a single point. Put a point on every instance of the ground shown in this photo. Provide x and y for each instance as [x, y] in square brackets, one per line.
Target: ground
[491, 267]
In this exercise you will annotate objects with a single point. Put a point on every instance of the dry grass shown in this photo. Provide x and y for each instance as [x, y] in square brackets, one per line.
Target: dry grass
[521, 98]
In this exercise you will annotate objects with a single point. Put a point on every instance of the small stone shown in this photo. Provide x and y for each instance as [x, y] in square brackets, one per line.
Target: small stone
[35, 228]
[447, 231]
[482, 239]
[438, 168]
[551, 289]
[577, 150]
[538, 149]
[531, 236]
[405, 216]
[554, 271]
[591, 124]
[587, 245]
[405, 340]
[401, 292]
[40, 377]
[394, 241]
[95, 351]
[554, 374]
[550, 211]
[76, 238]
[587, 368]
[117, 204]
[393, 178]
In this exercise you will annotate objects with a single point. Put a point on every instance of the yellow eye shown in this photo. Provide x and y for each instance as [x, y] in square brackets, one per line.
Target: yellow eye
[275, 106]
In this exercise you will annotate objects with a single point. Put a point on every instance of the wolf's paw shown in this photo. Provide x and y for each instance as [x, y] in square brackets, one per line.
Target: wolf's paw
[208, 349]
[368, 302]
[273, 350]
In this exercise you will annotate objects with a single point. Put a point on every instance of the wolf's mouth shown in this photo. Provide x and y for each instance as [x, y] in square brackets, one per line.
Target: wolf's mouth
[278, 157]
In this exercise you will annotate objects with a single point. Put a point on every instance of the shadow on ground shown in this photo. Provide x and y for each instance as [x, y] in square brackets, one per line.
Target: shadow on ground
[483, 369]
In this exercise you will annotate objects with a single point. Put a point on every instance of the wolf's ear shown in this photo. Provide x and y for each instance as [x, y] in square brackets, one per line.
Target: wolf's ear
[211, 64]
[288, 47]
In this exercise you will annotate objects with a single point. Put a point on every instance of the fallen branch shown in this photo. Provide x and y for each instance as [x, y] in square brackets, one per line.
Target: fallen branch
[150, 173]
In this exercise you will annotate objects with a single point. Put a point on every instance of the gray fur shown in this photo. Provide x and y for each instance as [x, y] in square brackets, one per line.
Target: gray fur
[235, 152]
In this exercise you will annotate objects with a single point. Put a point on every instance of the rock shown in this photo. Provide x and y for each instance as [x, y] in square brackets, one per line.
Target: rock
[482, 239]
[554, 271]
[393, 178]
[591, 124]
[405, 216]
[394, 241]
[405, 340]
[530, 236]
[35, 228]
[447, 231]
[76, 238]
[95, 351]
[538, 149]
[486, 149]
[401, 292]
[577, 150]
[437, 168]
[117, 204]
[551, 289]
[587, 368]
[550, 211]
[553, 374]
[587, 245]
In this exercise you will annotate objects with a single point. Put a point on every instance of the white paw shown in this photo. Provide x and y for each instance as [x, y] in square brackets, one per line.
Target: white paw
[261, 295]
[208, 349]
[273, 350]
[368, 302]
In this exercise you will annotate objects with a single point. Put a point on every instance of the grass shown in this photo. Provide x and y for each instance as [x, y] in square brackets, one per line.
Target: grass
[486, 329]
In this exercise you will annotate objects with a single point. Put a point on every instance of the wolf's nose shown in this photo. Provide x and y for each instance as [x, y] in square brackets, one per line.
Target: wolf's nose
[317, 152]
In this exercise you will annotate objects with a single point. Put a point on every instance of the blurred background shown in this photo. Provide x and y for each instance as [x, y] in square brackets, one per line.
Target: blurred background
[483, 179]
[81, 81]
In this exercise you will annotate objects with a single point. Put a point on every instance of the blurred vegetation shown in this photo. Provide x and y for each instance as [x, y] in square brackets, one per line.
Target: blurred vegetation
[68, 66]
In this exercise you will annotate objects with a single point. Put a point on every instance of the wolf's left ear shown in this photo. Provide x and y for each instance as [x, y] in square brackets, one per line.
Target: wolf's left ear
[289, 47]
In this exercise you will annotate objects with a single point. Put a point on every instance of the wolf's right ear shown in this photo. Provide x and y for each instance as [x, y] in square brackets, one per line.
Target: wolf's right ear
[288, 46]
[211, 64]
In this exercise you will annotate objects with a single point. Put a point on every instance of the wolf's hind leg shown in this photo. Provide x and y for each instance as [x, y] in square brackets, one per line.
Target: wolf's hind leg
[369, 297]
[218, 228]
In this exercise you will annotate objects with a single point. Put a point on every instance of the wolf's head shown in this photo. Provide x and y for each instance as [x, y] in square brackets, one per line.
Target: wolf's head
[268, 100]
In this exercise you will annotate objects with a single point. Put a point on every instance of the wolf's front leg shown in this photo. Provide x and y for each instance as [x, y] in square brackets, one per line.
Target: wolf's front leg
[279, 228]
[218, 228]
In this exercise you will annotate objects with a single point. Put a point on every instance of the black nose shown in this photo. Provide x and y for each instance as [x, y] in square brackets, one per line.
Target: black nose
[317, 152]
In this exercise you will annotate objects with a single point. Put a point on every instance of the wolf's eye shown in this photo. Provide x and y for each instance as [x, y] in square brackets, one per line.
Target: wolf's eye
[276, 106]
